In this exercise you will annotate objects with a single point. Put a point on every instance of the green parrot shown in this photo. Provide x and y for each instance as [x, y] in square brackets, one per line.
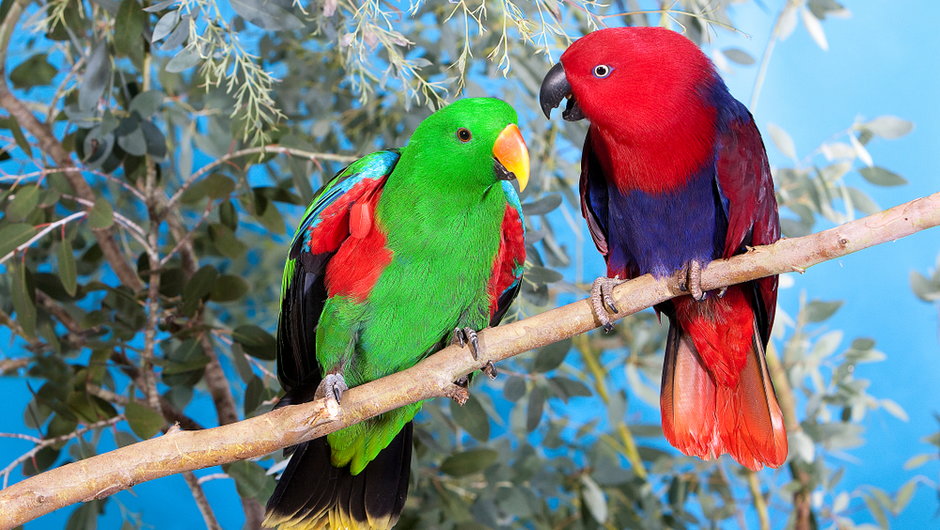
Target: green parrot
[400, 254]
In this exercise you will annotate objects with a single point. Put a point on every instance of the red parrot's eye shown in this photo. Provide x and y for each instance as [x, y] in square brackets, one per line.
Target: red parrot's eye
[464, 135]
[602, 70]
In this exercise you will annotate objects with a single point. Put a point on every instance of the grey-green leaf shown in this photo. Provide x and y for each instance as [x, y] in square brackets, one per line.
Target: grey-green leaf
[101, 214]
[144, 421]
[97, 77]
[255, 341]
[267, 14]
[738, 55]
[551, 356]
[594, 499]
[13, 235]
[880, 176]
[67, 270]
[146, 103]
[184, 60]
[472, 418]
[23, 303]
[23, 203]
[818, 310]
[469, 462]
[889, 127]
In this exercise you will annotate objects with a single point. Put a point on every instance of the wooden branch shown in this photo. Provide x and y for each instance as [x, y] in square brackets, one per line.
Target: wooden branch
[179, 451]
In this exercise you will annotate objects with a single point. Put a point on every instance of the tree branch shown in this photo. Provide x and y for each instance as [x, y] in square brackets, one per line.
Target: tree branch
[180, 451]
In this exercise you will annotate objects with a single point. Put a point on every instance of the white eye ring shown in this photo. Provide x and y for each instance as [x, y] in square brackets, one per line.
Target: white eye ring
[602, 70]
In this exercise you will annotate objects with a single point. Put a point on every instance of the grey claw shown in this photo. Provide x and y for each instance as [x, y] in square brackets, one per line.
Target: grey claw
[693, 280]
[490, 370]
[331, 388]
[602, 300]
[467, 337]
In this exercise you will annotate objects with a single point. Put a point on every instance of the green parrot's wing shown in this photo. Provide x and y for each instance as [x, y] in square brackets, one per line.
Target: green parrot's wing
[324, 227]
[506, 279]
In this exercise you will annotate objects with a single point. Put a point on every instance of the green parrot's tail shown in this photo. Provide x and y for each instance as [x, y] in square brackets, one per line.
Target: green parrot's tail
[313, 494]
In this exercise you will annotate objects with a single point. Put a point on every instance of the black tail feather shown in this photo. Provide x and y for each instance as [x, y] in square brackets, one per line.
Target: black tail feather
[311, 491]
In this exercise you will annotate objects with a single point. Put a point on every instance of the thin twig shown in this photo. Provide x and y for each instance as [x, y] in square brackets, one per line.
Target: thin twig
[213, 476]
[275, 149]
[49, 228]
[768, 52]
[5, 472]
[195, 486]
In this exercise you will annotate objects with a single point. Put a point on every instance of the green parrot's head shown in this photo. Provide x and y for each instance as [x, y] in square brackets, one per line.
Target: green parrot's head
[473, 142]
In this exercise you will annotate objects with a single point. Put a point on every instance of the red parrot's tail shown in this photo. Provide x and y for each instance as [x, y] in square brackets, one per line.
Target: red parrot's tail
[717, 396]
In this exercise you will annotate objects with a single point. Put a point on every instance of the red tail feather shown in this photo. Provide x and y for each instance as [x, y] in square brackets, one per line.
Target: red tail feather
[717, 396]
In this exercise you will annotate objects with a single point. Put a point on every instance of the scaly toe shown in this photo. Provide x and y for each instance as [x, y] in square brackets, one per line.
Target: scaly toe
[490, 370]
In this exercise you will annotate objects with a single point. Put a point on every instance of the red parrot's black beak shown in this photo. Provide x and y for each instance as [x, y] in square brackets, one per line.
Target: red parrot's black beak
[555, 87]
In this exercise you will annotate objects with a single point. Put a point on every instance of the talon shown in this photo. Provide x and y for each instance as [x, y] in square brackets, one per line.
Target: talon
[463, 381]
[467, 337]
[693, 280]
[458, 338]
[602, 300]
[331, 388]
[490, 370]
[721, 292]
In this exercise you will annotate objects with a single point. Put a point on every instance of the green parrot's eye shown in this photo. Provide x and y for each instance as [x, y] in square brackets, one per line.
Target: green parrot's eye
[464, 135]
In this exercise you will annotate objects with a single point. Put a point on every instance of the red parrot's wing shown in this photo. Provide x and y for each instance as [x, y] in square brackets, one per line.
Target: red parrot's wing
[594, 195]
[747, 194]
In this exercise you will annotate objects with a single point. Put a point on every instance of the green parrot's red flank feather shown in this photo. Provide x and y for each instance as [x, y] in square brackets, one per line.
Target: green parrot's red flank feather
[507, 267]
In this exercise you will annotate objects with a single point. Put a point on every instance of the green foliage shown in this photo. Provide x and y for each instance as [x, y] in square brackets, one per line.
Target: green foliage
[201, 133]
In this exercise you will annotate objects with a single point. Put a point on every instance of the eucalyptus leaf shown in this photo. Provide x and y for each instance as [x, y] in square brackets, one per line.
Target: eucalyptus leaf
[67, 269]
[144, 421]
[101, 214]
[267, 14]
[255, 341]
[880, 176]
[472, 418]
[469, 462]
[97, 76]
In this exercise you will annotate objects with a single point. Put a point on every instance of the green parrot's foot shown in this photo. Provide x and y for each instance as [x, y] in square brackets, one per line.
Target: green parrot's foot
[691, 280]
[602, 300]
[490, 370]
[458, 391]
[467, 337]
[331, 388]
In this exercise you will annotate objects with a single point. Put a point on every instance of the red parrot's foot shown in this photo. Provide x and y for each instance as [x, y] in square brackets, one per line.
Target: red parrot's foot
[602, 300]
[692, 280]
[331, 388]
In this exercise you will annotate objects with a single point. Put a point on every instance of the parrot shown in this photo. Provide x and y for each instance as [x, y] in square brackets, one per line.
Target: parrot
[403, 252]
[673, 175]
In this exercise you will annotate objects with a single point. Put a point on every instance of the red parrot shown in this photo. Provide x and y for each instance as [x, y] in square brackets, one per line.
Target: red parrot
[673, 175]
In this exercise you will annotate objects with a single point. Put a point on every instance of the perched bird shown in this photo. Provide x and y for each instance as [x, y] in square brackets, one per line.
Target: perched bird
[674, 175]
[397, 254]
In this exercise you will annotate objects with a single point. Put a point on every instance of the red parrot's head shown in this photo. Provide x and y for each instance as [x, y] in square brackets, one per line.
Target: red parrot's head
[627, 79]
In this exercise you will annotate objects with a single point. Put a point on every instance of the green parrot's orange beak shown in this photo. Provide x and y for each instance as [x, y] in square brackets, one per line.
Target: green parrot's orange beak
[512, 157]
